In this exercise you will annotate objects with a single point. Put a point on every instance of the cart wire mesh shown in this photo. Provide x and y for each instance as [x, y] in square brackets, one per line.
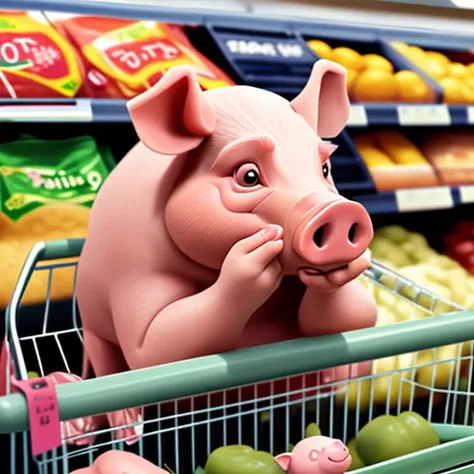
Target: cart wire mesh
[269, 414]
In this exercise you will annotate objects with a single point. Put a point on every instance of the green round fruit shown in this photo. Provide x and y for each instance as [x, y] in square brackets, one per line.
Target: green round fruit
[356, 460]
[33, 375]
[239, 459]
[421, 430]
[312, 430]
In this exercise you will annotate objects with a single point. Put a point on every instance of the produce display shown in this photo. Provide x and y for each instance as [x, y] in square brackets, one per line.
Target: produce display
[454, 72]
[394, 162]
[409, 254]
[54, 55]
[459, 245]
[451, 153]
[47, 190]
[373, 78]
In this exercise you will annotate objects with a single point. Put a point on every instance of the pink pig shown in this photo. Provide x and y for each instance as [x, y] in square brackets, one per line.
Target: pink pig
[121, 462]
[223, 228]
[316, 455]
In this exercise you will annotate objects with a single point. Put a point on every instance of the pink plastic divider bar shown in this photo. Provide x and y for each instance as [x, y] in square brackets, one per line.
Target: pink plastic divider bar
[43, 409]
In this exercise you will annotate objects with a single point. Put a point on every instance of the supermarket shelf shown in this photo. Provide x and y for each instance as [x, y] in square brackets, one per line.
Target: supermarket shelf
[110, 110]
[413, 200]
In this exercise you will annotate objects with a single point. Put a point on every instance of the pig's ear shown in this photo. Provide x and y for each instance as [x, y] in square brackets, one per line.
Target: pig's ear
[284, 461]
[174, 116]
[324, 101]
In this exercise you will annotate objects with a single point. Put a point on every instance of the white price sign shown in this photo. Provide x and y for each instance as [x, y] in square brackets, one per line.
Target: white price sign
[423, 115]
[424, 199]
[358, 116]
[470, 114]
[80, 112]
[466, 194]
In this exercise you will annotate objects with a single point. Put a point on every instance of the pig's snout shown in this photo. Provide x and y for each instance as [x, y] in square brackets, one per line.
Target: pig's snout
[337, 452]
[338, 234]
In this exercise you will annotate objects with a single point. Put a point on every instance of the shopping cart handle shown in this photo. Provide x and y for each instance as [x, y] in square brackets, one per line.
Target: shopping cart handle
[219, 372]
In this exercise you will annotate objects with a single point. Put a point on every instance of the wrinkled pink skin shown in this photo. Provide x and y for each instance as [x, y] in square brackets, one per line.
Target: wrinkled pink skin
[121, 462]
[149, 286]
[316, 455]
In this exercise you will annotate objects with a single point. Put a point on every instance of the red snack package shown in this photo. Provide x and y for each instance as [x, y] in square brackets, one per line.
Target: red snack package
[35, 60]
[125, 57]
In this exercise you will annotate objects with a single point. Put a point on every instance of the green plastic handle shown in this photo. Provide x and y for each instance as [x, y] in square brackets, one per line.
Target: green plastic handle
[243, 367]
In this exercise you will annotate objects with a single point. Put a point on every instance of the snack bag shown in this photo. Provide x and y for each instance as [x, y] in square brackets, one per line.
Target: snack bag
[126, 57]
[47, 188]
[35, 60]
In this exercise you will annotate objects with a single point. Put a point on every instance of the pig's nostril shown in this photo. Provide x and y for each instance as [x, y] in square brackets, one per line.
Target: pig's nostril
[319, 235]
[352, 233]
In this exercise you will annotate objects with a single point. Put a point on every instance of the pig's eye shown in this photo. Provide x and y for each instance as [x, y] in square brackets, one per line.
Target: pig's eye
[313, 455]
[247, 175]
[325, 170]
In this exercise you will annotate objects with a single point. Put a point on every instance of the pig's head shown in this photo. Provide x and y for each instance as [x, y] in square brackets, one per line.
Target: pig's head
[316, 455]
[251, 158]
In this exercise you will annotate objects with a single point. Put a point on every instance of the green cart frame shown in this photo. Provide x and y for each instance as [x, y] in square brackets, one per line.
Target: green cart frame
[182, 439]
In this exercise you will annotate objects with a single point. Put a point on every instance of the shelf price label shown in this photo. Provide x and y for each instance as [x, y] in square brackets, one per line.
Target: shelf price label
[358, 116]
[423, 115]
[466, 194]
[80, 111]
[424, 199]
[470, 114]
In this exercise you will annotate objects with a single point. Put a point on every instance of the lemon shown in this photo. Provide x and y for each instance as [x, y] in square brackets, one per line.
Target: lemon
[440, 58]
[375, 61]
[433, 68]
[322, 49]
[412, 88]
[457, 70]
[470, 68]
[415, 54]
[400, 47]
[375, 86]
[351, 79]
[455, 91]
[348, 58]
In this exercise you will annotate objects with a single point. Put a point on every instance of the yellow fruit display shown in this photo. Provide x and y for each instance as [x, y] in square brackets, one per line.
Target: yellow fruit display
[433, 68]
[399, 148]
[438, 57]
[322, 49]
[375, 86]
[375, 61]
[351, 79]
[374, 158]
[457, 70]
[412, 88]
[455, 91]
[348, 58]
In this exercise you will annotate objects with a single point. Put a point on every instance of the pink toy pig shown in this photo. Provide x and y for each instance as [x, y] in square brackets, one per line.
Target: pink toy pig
[316, 455]
[121, 462]
[223, 228]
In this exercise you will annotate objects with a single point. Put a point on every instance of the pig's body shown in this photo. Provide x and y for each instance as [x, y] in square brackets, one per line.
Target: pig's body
[176, 264]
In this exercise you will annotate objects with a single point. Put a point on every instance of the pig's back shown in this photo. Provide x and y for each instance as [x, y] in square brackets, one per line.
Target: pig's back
[126, 228]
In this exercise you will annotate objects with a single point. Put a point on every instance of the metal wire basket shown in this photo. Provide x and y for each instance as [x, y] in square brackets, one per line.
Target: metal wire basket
[263, 396]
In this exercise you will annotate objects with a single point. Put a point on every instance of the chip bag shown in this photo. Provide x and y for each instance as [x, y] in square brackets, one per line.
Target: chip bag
[126, 57]
[35, 60]
[47, 188]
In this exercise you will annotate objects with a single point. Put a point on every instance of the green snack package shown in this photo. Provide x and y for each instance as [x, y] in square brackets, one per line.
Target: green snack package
[388, 437]
[35, 173]
[239, 459]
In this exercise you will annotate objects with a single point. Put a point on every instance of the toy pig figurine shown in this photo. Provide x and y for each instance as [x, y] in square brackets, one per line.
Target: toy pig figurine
[121, 462]
[316, 455]
[223, 227]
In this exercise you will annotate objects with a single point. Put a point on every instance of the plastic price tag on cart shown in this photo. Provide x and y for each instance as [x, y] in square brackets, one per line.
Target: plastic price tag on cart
[466, 194]
[43, 410]
[424, 199]
[358, 116]
[423, 115]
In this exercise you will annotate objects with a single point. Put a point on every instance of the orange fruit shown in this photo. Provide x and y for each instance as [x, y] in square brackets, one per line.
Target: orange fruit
[348, 58]
[455, 91]
[375, 86]
[415, 54]
[322, 49]
[400, 47]
[457, 70]
[470, 68]
[440, 58]
[412, 88]
[375, 61]
[351, 78]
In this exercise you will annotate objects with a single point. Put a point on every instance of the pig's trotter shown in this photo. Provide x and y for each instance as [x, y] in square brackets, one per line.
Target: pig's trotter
[106, 358]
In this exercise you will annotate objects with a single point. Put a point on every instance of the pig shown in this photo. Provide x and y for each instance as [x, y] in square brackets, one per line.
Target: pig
[222, 228]
[121, 462]
[316, 455]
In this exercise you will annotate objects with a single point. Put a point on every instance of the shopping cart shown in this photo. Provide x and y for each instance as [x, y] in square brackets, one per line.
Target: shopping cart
[182, 440]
